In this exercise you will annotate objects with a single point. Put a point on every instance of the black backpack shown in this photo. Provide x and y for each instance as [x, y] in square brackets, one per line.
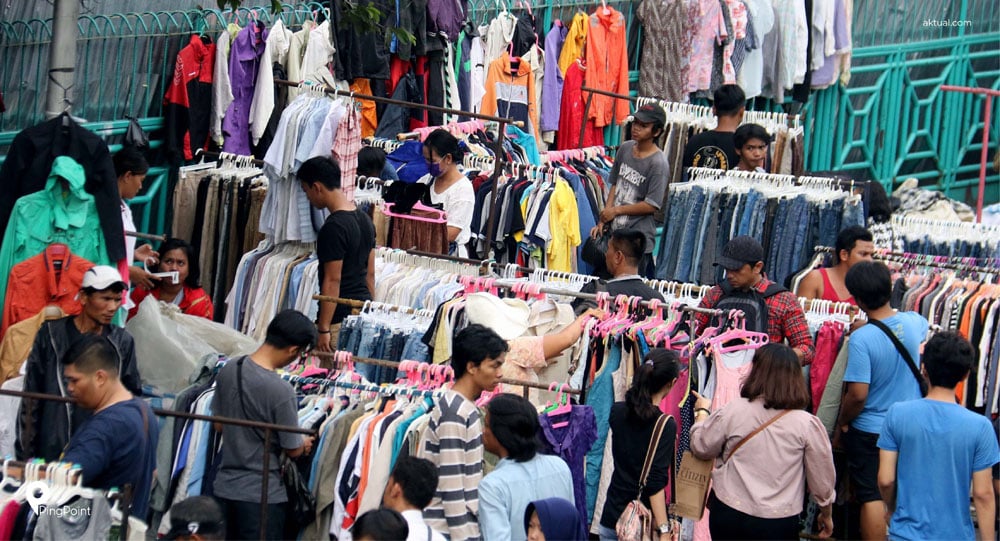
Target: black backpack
[752, 303]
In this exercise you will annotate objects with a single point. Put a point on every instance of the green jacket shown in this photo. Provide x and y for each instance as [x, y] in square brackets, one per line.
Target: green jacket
[62, 212]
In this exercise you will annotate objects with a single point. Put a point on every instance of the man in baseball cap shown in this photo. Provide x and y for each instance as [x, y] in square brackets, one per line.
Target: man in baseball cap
[638, 186]
[45, 425]
[767, 307]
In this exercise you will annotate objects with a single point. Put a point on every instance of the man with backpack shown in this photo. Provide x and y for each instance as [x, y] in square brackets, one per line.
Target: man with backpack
[767, 307]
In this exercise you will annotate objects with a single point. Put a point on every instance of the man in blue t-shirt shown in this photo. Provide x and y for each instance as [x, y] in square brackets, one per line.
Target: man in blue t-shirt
[117, 446]
[877, 377]
[932, 448]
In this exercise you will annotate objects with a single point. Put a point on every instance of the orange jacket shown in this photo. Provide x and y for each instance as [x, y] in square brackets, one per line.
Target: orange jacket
[607, 66]
[195, 302]
[34, 284]
[511, 95]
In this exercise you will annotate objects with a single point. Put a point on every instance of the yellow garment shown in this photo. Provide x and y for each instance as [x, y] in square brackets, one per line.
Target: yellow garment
[564, 226]
[576, 38]
[17, 343]
[369, 117]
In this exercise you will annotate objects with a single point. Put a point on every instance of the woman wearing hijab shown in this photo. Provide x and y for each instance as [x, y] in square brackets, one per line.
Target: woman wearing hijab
[554, 519]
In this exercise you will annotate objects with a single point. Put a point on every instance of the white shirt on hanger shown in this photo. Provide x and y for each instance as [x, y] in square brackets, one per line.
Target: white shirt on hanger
[222, 88]
[319, 53]
[275, 50]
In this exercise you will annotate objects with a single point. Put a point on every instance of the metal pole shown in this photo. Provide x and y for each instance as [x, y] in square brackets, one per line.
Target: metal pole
[62, 57]
[263, 491]
[988, 95]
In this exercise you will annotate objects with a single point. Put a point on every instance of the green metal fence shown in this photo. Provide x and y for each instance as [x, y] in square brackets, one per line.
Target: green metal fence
[893, 121]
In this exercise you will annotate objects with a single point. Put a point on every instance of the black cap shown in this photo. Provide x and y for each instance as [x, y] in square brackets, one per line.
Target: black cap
[650, 113]
[742, 250]
[196, 515]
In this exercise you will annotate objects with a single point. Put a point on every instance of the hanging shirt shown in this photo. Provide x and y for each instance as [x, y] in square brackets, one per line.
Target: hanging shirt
[552, 84]
[608, 65]
[664, 49]
[576, 38]
[244, 63]
[571, 113]
[750, 78]
[222, 89]
[564, 224]
[188, 101]
[275, 52]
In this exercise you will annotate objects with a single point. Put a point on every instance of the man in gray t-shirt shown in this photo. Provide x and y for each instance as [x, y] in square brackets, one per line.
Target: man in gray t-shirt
[638, 182]
[248, 388]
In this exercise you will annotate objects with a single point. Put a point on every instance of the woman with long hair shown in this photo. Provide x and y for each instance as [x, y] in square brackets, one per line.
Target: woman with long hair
[632, 423]
[767, 449]
[177, 255]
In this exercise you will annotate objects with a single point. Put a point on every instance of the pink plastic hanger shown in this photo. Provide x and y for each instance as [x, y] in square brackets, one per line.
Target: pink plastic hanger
[744, 339]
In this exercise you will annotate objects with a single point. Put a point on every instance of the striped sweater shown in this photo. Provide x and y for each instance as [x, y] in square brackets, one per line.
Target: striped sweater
[454, 442]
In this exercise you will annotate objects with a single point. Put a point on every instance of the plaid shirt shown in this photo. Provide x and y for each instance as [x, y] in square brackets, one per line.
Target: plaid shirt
[785, 319]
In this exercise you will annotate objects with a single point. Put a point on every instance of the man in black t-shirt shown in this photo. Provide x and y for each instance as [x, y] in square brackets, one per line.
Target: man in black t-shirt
[715, 149]
[625, 250]
[345, 247]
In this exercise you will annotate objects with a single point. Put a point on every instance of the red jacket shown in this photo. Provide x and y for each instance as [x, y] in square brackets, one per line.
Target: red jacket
[34, 284]
[195, 302]
[187, 103]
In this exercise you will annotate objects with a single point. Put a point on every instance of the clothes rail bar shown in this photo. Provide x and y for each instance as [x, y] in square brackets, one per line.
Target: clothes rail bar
[452, 126]
[365, 304]
[657, 304]
[935, 261]
[498, 150]
[393, 364]
[226, 155]
[267, 427]
[145, 236]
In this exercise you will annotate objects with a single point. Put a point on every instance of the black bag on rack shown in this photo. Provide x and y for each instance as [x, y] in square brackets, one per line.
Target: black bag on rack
[300, 510]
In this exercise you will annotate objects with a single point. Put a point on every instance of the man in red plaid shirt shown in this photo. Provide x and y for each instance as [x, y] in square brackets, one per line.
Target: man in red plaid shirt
[743, 259]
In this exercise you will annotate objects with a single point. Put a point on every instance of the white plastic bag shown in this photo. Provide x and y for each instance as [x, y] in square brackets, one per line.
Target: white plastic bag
[168, 344]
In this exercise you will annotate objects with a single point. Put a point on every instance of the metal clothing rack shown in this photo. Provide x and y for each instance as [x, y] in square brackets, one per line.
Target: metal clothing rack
[268, 428]
[392, 364]
[146, 236]
[934, 261]
[238, 158]
[365, 304]
[499, 149]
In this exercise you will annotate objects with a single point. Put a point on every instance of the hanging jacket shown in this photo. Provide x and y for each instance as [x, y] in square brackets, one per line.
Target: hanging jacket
[396, 119]
[44, 426]
[48, 216]
[187, 104]
[17, 342]
[607, 64]
[29, 162]
[35, 283]
[511, 94]
[571, 113]
[244, 64]
[445, 18]
[576, 39]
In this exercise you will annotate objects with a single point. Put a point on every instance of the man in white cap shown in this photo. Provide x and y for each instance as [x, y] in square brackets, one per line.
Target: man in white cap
[46, 426]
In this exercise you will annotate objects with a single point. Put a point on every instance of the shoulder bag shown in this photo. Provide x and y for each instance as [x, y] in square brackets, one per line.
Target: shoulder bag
[301, 507]
[694, 475]
[636, 522]
[905, 353]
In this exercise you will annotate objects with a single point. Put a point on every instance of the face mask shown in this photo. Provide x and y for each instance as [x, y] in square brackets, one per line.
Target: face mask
[434, 168]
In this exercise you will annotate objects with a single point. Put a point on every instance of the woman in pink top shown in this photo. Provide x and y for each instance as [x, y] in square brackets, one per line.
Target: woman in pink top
[757, 492]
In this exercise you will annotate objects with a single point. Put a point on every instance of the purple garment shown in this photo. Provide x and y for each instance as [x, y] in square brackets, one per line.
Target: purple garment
[571, 444]
[446, 16]
[244, 60]
[552, 83]
[824, 76]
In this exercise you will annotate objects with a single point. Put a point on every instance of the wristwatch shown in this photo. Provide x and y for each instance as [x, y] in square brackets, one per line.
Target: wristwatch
[664, 528]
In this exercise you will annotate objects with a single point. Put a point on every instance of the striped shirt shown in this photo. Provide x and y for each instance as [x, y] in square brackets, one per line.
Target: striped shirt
[454, 442]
